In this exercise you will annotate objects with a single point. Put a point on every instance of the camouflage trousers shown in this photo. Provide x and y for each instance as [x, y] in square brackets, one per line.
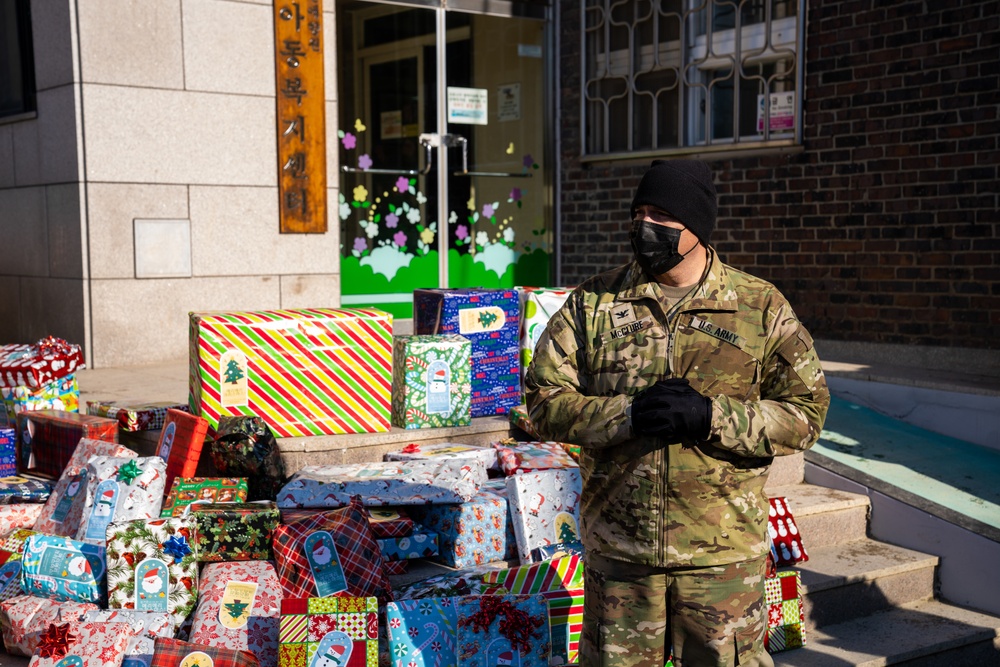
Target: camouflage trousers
[710, 617]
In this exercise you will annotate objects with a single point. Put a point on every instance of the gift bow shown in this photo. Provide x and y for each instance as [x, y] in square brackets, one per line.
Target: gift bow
[517, 625]
[129, 471]
[54, 642]
[54, 347]
[176, 547]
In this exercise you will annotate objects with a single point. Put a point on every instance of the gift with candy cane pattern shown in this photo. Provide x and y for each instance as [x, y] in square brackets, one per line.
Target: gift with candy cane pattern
[431, 381]
[63, 569]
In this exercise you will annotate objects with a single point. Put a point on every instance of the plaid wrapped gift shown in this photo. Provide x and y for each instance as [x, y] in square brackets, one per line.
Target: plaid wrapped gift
[17, 489]
[333, 553]
[545, 508]
[24, 618]
[49, 438]
[430, 381]
[146, 627]
[64, 508]
[329, 632]
[419, 544]
[82, 644]
[492, 628]
[120, 489]
[786, 624]
[306, 372]
[518, 457]
[152, 567]
[239, 605]
[445, 450]
[423, 633]
[62, 394]
[63, 569]
[234, 531]
[387, 483]
[186, 490]
[10, 574]
[395, 568]
[22, 515]
[787, 547]
[8, 451]
[135, 415]
[560, 582]
[38, 364]
[180, 443]
[170, 652]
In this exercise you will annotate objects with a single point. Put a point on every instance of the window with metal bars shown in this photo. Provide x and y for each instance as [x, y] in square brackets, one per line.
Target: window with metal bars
[683, 75]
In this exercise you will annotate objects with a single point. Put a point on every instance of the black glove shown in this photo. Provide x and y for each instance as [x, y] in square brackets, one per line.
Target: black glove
[671, 409]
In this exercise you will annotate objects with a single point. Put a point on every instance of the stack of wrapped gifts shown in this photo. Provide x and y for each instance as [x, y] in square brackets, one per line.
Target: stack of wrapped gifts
[443, 553]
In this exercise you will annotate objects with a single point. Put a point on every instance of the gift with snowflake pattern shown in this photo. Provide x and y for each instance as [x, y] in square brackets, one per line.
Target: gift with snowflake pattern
[25, 617]
[239, 604]
[146, 626]
[329, 632]
[82, 644]
[21, 515]
[152, 567]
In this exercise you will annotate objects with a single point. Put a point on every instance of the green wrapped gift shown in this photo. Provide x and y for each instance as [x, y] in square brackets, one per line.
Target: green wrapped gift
[431, 381]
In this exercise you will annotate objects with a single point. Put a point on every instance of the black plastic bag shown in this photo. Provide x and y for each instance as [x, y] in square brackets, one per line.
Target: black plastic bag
[245, 447]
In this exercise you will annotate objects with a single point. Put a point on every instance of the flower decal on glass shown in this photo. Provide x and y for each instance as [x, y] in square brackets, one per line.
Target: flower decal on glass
[361, 194]
[364, 162]
[402, 184]
[349, 141]
[391, 220]
[399, 238]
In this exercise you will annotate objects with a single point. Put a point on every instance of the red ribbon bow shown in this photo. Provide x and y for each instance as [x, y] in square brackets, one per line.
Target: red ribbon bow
[54, 642]
[55, 347]
[411, 448]
[517, 626]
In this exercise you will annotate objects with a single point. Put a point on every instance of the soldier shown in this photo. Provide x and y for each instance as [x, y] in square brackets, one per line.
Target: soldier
[680, 378]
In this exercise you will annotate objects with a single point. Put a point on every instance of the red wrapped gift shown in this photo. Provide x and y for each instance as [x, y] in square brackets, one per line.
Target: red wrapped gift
[787, 547]
[176, 653]
[35, 365]
[180, 443]
[333, 553]
[49, 438]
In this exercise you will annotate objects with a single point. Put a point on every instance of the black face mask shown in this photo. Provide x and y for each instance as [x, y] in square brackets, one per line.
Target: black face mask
[656, 247]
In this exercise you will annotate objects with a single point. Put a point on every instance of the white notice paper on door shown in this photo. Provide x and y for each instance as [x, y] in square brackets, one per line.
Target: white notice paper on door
[467, 106]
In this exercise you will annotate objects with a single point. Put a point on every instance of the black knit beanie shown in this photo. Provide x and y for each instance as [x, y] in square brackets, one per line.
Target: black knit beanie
[684, 189]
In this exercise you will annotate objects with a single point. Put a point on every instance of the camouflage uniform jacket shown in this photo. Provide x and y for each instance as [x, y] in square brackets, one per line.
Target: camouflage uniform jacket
[737, 341]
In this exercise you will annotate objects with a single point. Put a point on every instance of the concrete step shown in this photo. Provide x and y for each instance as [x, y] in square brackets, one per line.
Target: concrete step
[825, 516]
[927, 633]
[853, 579]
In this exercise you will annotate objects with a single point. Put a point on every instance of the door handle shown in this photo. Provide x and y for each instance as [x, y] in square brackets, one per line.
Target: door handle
[458, 139]
[402, 172]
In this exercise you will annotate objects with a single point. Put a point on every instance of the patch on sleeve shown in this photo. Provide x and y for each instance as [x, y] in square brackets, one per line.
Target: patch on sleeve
[718, 332]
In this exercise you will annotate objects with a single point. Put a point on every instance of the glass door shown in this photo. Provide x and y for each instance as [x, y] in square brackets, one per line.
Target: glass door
[441, 185]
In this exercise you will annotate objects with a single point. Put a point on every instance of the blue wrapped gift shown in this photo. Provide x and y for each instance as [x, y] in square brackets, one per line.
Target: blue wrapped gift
[62, 569]
[490, 319]
[421, 543]
[8, 452]
[423, 633]
[471, 533]
[17, 489]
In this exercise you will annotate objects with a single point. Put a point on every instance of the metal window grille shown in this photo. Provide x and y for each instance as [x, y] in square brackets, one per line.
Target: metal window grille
[682, 75]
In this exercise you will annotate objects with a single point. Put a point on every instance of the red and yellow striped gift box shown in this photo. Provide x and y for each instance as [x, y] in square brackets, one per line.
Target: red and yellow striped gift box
[304, 372]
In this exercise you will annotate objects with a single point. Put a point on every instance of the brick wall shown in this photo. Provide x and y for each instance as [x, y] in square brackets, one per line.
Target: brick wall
[885, 228]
